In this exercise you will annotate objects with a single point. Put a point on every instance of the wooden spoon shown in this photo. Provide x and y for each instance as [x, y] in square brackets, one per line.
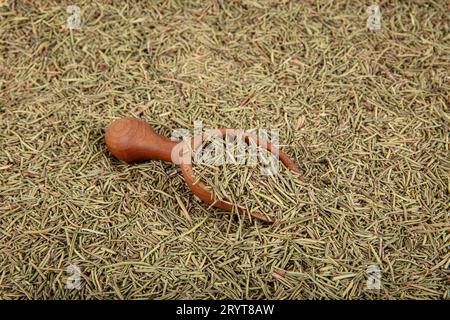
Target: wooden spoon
[133, 140]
